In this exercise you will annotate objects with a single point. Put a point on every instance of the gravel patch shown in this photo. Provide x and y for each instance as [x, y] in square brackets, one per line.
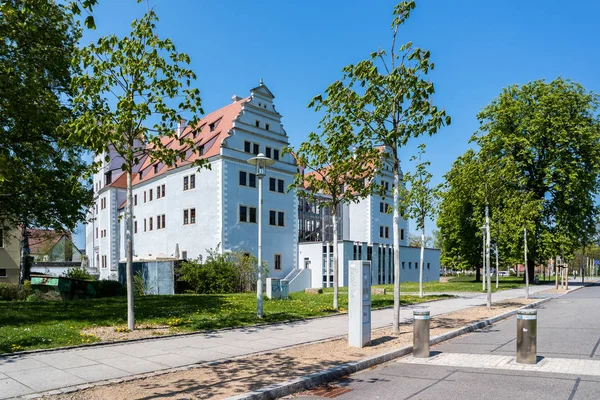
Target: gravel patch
[112, 333]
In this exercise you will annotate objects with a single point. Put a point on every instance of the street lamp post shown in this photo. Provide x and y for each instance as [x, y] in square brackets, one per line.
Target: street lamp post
[260, 162]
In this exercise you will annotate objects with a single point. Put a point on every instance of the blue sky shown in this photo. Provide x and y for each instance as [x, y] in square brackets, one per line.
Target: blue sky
[299, 47]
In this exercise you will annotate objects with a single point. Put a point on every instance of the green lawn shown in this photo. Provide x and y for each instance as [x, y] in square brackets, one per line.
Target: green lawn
[36, 325]
[464, 283]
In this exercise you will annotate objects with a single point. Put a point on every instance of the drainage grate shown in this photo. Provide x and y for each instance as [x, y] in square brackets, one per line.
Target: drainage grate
[327, 392]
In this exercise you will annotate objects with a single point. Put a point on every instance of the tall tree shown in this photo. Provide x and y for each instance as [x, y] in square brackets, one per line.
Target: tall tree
[489, 181]
[41, 170]
[387, 97]
[422, 201]
[550, 131]
[130, 98]
[459, 218]
[334, 176]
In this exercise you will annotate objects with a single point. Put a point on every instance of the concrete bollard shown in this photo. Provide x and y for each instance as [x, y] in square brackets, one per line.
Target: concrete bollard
[421, 334]
[527, 336]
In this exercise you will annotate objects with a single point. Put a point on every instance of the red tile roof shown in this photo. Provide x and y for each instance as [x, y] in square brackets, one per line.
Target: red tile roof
[41, 239]
[210, 140]
[120, 182]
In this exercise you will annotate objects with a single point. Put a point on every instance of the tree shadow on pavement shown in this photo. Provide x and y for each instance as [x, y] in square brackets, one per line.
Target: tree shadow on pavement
[231, 377]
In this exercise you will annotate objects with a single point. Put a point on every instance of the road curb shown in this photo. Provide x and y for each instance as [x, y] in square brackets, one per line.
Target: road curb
[318, 378]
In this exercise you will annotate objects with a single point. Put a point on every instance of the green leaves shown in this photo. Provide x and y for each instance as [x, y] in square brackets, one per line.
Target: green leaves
[41, 169]
[420, 198]
[131, 95]
[538, 167]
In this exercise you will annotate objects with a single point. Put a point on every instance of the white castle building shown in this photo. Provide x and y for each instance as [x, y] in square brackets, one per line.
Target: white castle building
[182, 212]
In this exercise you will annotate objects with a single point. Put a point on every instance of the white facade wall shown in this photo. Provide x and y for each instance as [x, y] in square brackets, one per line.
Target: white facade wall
[409, 261]
[193, 238]
[105, 219]
[310, 256]
[357, 219]
[251, 126]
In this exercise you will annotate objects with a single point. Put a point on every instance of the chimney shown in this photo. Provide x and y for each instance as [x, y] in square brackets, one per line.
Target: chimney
[181, 126]
[235, 98]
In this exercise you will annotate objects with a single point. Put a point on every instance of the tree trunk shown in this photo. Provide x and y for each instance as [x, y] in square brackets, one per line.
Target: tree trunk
[497, 266]
[488, 262]
[335, 258]
[129, 251]
[25, 270]
[526, 264]
[582, 266]
[556, 271]
[530, 268]
[478, 273]
[421, 261]
[396, 236]
[483, 262]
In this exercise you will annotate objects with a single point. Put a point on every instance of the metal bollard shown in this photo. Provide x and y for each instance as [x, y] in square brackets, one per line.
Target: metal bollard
[421, 334]
[527, 336]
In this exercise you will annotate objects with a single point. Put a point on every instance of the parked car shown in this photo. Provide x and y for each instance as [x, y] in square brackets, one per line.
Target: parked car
[502, 273]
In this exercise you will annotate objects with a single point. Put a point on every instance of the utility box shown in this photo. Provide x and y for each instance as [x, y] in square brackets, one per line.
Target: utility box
[285, 289]
[273, 288]
[527, 336]
[359, 303]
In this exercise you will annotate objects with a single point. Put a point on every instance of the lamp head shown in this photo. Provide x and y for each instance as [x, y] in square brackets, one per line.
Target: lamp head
[261, 163]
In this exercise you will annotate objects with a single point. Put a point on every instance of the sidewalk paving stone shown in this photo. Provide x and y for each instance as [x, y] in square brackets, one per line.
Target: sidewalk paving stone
[13, 364]
[65, 361]
[47, 378]
[11, 388]
[133, 365]
[98, 372]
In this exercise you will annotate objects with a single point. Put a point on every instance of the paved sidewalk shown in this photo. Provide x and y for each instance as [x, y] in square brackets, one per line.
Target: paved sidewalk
[26, 374]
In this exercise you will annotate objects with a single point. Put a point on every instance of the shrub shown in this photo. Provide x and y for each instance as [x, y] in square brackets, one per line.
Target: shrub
[109, 288]
[11, 291]
[139, 286]
[79, 273]
[231, 272]
[50, 296]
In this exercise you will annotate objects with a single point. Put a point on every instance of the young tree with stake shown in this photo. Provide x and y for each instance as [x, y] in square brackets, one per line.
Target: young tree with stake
[422, 200]
[388, 99]
[334, 177]
[129, 98]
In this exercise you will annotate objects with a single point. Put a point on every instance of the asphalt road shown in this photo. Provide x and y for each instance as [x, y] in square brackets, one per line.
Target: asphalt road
[481, 365]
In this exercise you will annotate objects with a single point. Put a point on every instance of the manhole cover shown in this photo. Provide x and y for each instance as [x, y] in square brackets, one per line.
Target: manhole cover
[327, 392]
